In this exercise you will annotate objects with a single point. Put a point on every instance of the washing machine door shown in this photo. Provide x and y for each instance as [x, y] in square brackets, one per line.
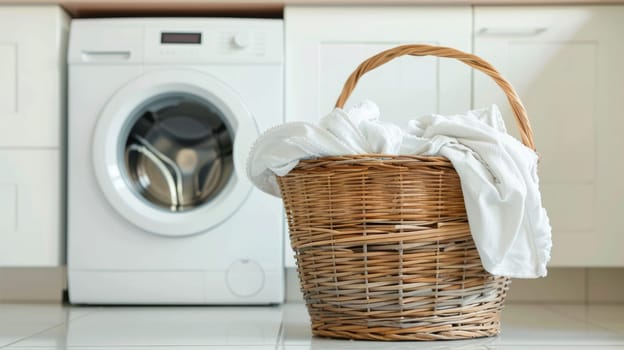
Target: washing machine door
[169, 152]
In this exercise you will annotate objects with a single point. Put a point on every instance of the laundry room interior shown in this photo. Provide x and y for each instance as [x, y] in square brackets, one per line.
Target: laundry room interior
[311, 174]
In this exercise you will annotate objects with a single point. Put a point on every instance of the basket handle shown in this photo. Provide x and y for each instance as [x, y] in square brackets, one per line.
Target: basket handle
[473, 61]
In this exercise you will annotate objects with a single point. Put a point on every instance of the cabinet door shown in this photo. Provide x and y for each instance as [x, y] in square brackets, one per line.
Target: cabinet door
[30, 208]
[325, 44]
[566, 63]
[32, 52]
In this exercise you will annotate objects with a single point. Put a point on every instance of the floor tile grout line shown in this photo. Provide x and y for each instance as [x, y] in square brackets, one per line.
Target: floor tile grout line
[87, 313]
[63, 323]
[280, 333]
[12, 344]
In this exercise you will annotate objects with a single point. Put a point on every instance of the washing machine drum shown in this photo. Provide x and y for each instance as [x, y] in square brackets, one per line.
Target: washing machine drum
[178, 153]
[169, 152]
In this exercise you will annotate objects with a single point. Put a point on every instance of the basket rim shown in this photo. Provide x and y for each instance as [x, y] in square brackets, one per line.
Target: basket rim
[373, 159]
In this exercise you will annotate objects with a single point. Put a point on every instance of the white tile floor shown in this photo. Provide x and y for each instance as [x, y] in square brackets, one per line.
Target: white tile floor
[46, 327]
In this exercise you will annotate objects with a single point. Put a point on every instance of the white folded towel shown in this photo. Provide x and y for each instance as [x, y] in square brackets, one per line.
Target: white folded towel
[498, 174]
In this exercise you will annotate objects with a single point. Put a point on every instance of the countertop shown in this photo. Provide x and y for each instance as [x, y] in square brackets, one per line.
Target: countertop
[260, 8]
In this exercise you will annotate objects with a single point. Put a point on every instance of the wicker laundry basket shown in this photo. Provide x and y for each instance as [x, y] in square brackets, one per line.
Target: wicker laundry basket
[382, 242]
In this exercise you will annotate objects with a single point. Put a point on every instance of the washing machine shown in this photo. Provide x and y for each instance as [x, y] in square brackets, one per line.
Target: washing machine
[162, 115]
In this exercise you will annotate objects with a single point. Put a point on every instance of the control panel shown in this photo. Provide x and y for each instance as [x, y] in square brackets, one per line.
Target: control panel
[180, 40]
[225, 43]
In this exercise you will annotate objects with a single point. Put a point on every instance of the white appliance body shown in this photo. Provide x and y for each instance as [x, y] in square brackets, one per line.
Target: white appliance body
[124, 246]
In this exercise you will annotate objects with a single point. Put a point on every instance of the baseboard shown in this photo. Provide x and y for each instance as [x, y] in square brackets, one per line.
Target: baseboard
[563, 285]
[32, 284]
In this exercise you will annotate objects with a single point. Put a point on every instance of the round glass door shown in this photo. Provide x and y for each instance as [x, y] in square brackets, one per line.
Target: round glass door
[169, 152]
[178, 152]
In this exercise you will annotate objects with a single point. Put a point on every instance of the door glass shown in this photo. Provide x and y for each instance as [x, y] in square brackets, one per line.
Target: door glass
[178, 151]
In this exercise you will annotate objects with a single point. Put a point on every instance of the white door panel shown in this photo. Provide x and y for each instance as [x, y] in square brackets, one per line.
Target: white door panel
[8, 78]
[391, 86]
[565, 63]
[32, 99]
[30, 203]
[32, 61]
[325, 44]
[321, 57]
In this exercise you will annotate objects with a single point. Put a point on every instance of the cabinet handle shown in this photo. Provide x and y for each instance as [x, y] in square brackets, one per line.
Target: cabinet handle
[517, 32]
[105, 56]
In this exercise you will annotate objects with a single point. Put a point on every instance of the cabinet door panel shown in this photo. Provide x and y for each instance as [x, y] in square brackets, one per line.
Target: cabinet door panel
[321, 57]
[391, 86]
[563, 62]
[8, 78]
[548, 87]
[32, 62]
[325, 44]
[30, 208]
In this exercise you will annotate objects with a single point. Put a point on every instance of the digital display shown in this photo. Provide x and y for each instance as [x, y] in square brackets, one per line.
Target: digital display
[180, 38]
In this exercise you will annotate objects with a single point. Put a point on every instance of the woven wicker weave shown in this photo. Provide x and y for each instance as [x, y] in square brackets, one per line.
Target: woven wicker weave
[383, 246]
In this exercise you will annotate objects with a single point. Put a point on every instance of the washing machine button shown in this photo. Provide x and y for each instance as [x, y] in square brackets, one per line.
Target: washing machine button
[245, 278]
[241, 40]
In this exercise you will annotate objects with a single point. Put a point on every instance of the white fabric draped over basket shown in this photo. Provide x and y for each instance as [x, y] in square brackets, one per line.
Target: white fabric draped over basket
[498, 173]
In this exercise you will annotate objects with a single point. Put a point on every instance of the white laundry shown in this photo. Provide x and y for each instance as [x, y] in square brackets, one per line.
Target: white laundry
[498, 174]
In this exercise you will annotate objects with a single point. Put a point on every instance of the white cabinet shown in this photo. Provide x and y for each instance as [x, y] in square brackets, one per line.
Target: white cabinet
[566, 63]
[325, 44]
[30, 208]
[32, 122]
[32, 69]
